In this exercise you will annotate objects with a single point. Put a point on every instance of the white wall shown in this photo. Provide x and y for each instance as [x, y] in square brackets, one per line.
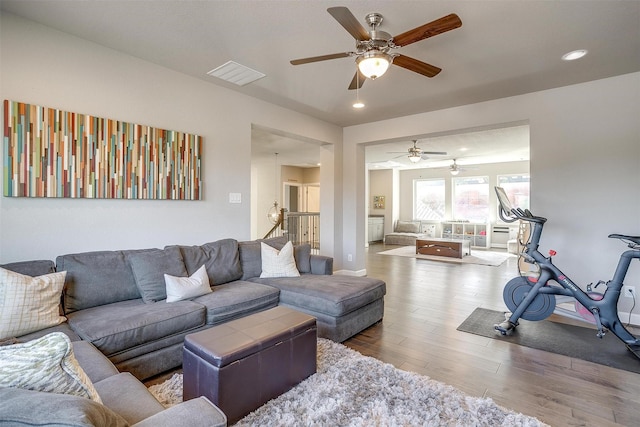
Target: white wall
[585, 166]
[49, 68]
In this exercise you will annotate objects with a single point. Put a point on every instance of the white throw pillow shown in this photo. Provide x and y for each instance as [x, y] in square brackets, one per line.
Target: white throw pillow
[278, 263]
[45, 364]
[179, 288]
[29, 304]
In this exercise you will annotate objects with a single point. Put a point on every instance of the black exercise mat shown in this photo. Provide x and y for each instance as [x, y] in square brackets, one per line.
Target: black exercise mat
[559, 338]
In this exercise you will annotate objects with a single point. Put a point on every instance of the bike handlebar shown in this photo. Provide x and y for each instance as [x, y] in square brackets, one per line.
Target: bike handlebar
[510, 214]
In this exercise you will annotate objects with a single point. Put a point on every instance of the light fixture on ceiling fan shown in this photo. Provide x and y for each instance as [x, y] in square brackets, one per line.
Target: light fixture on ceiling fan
[374, 63]
[454, 169]
[415, 157]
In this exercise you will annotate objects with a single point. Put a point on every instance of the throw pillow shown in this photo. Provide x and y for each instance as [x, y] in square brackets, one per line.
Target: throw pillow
[302, 254]
[278, 263]
[408, 227]
[29, 304]
[179, 288]
[45, 364]
[149, 268]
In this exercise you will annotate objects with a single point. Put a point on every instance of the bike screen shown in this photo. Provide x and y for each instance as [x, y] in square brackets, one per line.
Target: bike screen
[505, 203]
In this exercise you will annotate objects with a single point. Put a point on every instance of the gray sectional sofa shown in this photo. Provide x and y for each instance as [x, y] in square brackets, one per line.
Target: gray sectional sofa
[115, 300]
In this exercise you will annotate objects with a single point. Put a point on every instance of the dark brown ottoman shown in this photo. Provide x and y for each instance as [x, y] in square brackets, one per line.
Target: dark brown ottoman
[242, 364]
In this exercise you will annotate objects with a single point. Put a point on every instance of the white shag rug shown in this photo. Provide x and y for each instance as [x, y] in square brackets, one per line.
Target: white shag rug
[350, 389]
[477, 256]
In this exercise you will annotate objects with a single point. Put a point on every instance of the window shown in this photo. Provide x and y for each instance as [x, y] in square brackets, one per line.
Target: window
[428, 199]
[517, 188]
[471, 199]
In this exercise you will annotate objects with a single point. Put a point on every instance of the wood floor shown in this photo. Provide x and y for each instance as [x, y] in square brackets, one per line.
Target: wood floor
[425, 303]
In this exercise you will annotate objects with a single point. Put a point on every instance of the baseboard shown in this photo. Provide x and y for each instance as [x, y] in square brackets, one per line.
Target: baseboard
[362, 272]
[624, 318]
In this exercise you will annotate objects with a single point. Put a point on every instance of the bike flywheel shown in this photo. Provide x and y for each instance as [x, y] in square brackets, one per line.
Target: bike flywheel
[517, 289]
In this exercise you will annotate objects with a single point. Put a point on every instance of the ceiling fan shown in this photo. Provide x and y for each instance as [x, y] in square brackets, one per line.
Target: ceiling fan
[455, 169]
[416, 153]
[373, 47]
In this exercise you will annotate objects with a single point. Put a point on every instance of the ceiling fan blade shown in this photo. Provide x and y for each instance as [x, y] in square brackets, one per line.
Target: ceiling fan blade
[416, 66]
[439, 26]
[435, 153]
[349, 22]
[320, 58]
[358, 80]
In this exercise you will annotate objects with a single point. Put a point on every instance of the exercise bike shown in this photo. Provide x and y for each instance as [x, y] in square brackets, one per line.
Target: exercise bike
[534, 298]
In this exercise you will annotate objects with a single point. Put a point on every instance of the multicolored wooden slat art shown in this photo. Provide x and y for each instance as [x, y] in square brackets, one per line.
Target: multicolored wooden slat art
[54, 153]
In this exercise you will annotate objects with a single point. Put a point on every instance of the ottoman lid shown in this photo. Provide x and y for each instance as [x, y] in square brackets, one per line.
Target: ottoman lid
[224, 344]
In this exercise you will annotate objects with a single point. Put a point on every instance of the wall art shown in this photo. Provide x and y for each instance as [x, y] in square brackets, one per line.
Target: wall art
[53, 153]
[378, 202]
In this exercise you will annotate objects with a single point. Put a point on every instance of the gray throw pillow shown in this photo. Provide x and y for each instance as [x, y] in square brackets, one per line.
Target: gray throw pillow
[302, 254]
[408, 227]
[149, 268]
[220, 258]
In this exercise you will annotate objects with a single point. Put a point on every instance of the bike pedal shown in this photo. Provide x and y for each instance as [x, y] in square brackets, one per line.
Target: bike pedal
[505, 328]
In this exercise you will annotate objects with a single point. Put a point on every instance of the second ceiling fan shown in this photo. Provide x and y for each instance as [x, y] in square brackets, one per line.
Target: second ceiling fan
[373, 48]
[415, 153]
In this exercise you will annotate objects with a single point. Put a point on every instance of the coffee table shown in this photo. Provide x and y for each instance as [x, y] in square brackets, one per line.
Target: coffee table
[241, 364]
[452, 248]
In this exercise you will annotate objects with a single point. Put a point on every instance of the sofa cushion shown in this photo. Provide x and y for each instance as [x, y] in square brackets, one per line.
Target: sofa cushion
[96, 278]
[407, 227]
[237, 299]
[45, 364]
[180, 288]
[149, 268]
[34, 408]
[31, 268]
[334, 295]
[29, 304]
[124, 325]
[220, 258]
[278, 263]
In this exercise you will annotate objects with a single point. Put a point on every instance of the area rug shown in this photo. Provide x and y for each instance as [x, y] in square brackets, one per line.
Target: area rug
[480, 257]
[350, 389]
[560, 338]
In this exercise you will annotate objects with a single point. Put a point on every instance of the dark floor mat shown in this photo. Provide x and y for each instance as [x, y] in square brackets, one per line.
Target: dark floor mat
[560, 338]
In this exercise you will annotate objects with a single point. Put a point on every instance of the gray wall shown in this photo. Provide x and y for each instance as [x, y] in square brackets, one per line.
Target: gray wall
[49, 68]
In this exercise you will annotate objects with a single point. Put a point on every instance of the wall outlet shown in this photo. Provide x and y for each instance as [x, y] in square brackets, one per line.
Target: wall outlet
[349, 257]
[629, 291]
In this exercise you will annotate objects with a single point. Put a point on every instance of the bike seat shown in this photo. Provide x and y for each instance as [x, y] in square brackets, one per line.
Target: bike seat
[634, 239]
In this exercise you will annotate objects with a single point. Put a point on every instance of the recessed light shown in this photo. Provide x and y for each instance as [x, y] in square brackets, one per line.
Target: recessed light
[575, 54]
[358, 105]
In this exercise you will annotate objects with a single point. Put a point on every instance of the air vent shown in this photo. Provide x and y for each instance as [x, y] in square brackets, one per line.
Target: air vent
[235, 73]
